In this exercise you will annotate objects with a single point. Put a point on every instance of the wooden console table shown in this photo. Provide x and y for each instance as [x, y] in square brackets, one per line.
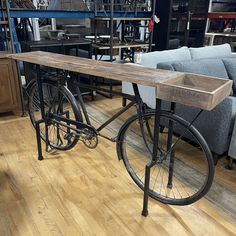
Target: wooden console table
[189, 89]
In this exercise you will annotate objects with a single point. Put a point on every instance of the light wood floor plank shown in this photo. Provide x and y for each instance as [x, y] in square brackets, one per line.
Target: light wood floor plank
[89, 192]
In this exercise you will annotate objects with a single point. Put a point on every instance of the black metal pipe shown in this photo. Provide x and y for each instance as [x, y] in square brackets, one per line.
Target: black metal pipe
[39, 146]
[156, 130]
[146, 190]
[120, 112]
[169, 145]
[154, 157]
[97, 89]
[81, 103]
[57, 119]
[40, 91]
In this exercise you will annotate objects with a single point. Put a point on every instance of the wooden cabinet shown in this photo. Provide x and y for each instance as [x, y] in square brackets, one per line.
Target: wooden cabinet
[9, 86]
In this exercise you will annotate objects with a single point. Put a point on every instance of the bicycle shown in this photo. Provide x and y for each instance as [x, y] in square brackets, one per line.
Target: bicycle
[152, 144]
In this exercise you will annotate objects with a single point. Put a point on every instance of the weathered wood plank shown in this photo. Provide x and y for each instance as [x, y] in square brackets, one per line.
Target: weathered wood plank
[189, 89]
[71, 191]
[120, 72]
[195, 90]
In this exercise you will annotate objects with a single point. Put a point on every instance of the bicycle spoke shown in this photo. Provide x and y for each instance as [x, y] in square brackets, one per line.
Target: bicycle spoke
[185, 180]
[56, 101]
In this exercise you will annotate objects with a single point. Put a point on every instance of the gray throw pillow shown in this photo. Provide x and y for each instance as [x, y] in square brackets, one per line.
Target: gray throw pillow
[151, 59]
[210, 67]
[215, 51]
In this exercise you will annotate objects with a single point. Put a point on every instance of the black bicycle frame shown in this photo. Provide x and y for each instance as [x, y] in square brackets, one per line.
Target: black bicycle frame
[141, 109]
[79, 125]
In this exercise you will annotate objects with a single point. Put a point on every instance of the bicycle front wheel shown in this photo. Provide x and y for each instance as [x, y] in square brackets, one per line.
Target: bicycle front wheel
[59, 101]
[184, 170]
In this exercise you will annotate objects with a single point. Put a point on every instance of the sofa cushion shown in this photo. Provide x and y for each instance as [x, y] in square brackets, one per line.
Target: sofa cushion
[210, 67]
[151, 59]
[230, 65]
[216, 51]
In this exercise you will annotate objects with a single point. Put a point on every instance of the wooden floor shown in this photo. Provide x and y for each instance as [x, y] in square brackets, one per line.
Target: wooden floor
[88, 192]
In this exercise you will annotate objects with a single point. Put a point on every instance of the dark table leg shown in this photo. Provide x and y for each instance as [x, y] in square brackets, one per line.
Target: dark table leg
[37, 125]
[154, 157]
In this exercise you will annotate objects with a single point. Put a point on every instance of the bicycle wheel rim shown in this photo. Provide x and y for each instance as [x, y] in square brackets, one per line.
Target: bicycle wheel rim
[187, 165]
[59, 137]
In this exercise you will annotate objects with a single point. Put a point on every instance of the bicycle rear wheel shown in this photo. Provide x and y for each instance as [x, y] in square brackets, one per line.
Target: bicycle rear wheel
[57, 100]
[181, 175]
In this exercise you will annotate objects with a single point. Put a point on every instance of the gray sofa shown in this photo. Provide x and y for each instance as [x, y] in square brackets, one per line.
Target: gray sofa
[216, 126]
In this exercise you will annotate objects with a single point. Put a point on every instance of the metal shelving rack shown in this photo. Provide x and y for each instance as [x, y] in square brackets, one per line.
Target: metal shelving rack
[62, 14]
[123, 28]
[6, 27]
[182, 20]
[221, 14]
[38, 13]
[126, 15]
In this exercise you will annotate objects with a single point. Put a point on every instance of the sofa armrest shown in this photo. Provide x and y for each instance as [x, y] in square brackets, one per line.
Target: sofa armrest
[215, 126]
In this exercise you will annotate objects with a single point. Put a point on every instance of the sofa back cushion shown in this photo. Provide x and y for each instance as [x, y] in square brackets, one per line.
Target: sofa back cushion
[216, 51]
[210, 67]
[230, 65]
[151, 59]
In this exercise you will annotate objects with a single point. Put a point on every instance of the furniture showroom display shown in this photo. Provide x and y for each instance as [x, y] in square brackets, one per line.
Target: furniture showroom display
[51, 98]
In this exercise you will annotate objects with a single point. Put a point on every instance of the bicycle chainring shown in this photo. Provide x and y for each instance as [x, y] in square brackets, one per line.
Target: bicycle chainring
[89, 138]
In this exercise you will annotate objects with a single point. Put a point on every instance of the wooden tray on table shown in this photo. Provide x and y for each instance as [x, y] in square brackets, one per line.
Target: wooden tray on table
[200, 91]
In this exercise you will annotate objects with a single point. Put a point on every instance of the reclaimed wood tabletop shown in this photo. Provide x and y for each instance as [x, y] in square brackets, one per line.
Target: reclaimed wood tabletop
[189, 89]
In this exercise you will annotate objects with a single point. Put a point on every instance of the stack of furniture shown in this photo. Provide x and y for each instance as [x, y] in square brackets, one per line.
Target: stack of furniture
[126, 32]
[221, 22]
[120, 30]
[26, 4]
[217, 125]
[180, 19]
[75, 47]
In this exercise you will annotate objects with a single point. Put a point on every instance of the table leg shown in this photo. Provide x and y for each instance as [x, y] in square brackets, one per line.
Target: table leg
[154, 157]
[37, 124]
[39, 146]
[169, 148]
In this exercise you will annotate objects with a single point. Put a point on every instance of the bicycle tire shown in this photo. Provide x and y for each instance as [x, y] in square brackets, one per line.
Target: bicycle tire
[131, 165]
[66, 97]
